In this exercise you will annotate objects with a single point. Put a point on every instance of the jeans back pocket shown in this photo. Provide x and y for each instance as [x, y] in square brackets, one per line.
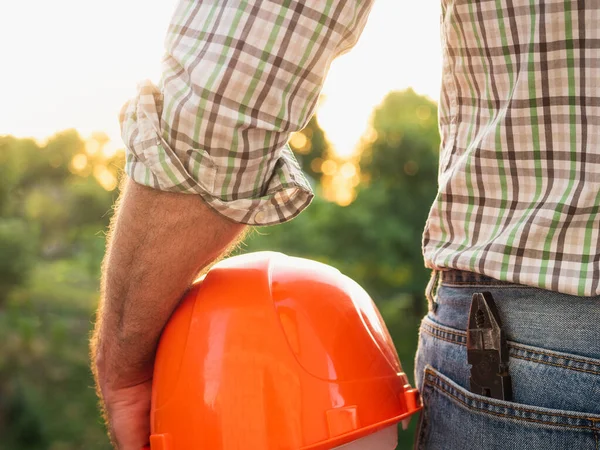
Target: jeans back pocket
[455, 418]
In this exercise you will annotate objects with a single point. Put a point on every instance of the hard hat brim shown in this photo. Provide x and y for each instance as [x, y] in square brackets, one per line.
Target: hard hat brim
[361, 432]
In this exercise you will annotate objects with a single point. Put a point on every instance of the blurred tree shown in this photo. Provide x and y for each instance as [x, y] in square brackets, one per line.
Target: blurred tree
[311, 149]
[17, 254]
[400, 169]
[64, 187]
[55, 203]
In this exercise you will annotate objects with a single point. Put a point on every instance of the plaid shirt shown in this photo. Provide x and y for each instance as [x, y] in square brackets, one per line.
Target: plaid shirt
[519, 177]
[239, 77]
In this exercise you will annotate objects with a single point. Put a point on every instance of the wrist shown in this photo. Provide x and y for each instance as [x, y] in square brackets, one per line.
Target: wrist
[118, 374]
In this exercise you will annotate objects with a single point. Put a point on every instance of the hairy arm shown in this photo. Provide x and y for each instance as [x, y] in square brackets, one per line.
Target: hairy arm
[158, 245]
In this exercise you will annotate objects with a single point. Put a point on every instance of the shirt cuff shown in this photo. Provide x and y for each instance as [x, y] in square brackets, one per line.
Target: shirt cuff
[278, 193]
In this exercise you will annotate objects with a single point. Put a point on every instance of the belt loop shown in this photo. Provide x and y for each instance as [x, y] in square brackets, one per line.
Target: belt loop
[431, 290]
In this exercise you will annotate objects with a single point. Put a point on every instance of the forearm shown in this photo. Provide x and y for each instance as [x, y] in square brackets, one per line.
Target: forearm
[159, 243]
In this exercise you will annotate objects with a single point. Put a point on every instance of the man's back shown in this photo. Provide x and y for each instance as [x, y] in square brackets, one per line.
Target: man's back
[519, 183]
[515, 221]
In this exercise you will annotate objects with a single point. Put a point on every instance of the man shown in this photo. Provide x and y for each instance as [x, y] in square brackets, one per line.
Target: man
[516, 212]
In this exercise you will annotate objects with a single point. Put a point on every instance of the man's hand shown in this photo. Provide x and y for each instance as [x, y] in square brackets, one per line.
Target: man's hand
[159, 244]
[128, 413]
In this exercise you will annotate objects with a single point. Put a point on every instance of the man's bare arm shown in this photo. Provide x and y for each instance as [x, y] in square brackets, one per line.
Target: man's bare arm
[158, 245]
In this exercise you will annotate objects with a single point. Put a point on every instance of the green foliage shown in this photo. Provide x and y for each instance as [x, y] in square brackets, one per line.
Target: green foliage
[45, 381]
[17, 254]
[314, 151]
[53, 214]
[40, 185]
[402, 167]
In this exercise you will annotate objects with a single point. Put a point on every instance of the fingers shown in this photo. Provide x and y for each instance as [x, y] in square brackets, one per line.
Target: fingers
[128, 416]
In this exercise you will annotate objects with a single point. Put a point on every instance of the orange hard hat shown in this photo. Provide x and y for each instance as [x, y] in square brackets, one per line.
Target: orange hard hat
[274, 352]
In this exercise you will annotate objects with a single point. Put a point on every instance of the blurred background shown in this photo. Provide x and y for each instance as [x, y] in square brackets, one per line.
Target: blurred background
[370, 152]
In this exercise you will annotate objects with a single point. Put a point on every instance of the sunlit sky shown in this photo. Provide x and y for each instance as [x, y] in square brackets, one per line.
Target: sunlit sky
[73, 63]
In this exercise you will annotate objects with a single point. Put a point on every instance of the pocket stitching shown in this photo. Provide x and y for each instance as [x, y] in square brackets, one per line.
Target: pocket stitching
[461, 340]
[549, 363]
[436, 386]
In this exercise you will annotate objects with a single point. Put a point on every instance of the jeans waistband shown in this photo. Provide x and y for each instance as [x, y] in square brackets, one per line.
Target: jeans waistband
[459, 277]
[530, 315]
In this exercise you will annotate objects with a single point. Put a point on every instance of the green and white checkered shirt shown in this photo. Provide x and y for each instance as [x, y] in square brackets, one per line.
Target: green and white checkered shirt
[519, 178]
[238, 78]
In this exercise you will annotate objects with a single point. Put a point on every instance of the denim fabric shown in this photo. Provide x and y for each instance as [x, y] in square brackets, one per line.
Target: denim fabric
[554, 348]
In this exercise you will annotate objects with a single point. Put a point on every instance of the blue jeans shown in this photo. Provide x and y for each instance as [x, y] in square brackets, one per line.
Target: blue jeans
[554, 348]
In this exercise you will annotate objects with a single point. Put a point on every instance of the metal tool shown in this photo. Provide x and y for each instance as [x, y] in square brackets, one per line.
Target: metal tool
[487, 351]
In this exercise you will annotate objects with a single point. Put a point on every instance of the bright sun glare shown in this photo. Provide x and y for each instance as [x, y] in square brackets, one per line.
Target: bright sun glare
[73, 64]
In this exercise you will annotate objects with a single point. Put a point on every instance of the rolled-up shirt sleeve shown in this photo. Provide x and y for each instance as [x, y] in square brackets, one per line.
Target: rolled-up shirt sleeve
[238, 77]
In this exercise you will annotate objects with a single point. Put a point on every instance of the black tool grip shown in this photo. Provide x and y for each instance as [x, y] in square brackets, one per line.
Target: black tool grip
[487, 350]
